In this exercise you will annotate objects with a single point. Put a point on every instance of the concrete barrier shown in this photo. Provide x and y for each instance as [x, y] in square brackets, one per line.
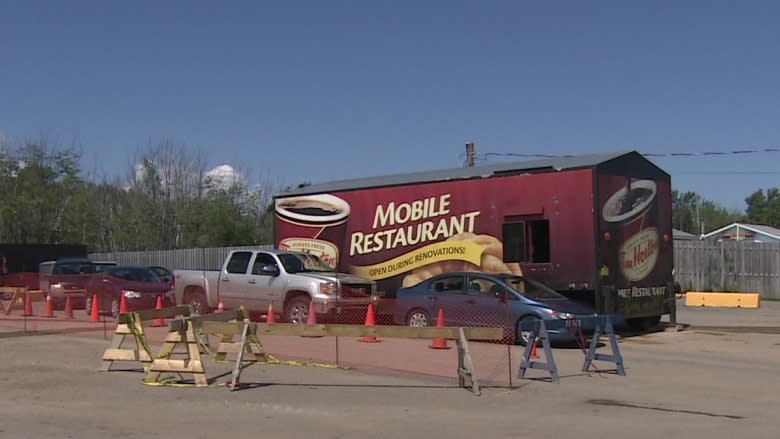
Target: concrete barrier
[723, 300]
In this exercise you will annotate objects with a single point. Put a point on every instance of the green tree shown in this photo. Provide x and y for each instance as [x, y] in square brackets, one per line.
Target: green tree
[693, 214]
[39, 184]
[684, 211]
[764, 208]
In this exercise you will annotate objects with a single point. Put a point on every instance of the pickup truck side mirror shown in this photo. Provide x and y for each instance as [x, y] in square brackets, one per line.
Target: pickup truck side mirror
[269, 270]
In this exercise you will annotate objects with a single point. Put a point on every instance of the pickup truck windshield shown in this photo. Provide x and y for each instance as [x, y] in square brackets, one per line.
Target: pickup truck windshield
[300, 263]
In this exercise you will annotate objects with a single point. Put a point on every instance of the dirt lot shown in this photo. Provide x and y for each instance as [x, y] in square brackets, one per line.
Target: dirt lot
[713, 383]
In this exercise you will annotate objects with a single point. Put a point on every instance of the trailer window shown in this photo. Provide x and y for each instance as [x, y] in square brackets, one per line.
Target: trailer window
[540, 240]
[527, 241]
[514, 242]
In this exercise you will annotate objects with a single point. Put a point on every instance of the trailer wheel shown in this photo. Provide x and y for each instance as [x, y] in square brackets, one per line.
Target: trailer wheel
[197, 300]
[297, 310]
[522, 336]
[418, 318]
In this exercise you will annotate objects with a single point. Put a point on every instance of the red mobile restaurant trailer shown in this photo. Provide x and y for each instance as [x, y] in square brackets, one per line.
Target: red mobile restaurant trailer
[594, 227]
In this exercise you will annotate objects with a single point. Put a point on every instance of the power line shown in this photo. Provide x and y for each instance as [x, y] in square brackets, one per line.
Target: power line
[485, 156]
[693, 154]
[728, 173]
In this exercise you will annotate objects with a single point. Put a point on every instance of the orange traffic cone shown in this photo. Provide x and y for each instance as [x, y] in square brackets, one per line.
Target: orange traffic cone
[159, 321]
[94, 314]
[270, 318]
[311, 319]
[439, 342]
[369, 322]
[68, 307]
[49, 310]
[123, 305]
[28, 311]
[220, 306]
[534, 354]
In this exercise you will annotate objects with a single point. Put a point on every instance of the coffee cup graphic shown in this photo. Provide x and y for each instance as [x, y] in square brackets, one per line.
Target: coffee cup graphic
[630, 202]
[318, 224]
[313, 210]
[631, 217]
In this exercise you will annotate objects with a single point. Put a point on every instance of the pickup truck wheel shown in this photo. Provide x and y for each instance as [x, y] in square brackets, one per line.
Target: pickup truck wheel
[297, 310]
[197, 301]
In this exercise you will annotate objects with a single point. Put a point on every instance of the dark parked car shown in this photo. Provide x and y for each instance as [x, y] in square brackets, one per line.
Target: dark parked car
[102, 265]
[164, 274]
[486, 299]
[139, 284]
[66, 276]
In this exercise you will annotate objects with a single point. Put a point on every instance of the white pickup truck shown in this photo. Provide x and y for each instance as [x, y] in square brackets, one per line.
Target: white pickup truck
[289, 280]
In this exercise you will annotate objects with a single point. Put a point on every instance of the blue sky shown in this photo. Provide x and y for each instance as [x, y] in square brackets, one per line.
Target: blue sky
[294, 91]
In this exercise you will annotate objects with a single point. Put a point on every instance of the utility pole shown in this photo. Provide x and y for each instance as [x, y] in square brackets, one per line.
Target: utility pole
[470, 154]
[699, 222]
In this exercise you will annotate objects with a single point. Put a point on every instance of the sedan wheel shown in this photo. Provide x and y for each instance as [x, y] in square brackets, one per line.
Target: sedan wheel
[418, 318]
[115, 308]
[523, 335]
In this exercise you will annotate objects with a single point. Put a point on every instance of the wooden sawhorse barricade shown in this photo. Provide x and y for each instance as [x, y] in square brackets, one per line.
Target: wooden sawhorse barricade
[190, 332]
[228, 325]
[538, 332]
[15, 295]
[20, 296]
[131, 325]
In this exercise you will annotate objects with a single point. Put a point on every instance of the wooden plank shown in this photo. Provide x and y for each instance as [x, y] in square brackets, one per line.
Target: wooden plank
[226, 327]
[226, 316]
[234, 382]
[150, 314]
[230, 347]
[177, 365]
[125, 355]
[451, 333]
[115, 352]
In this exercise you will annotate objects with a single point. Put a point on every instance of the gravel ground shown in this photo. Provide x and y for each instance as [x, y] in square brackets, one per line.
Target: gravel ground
[692, 383]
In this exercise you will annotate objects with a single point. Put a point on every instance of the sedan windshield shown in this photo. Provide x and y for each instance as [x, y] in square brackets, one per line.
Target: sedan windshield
[303, 262]
[531, 289]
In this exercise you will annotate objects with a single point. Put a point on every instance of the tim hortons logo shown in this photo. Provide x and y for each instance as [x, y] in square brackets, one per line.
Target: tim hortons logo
[639, 254]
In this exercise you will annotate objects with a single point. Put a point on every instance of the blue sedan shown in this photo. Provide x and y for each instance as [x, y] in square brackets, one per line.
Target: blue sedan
[471, 299]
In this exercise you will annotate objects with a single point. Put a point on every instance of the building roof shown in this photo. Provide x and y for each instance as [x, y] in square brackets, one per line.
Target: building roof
[679, 235]
[481, 171]
[767, 231]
